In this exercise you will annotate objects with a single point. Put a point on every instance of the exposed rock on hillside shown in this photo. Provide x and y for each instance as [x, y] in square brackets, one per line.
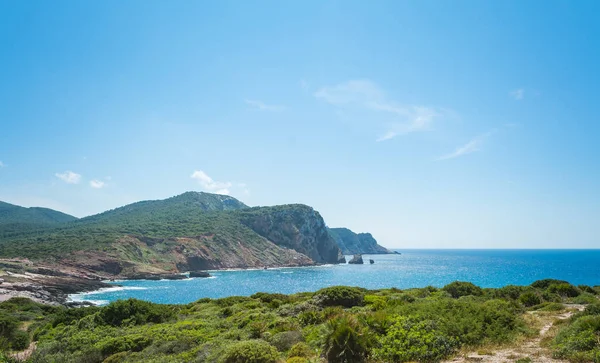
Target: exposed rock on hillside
[352, 243]
[298, 227]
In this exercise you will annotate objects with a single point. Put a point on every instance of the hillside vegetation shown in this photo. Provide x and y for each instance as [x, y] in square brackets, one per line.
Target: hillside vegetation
[335, 324]
[189, 231]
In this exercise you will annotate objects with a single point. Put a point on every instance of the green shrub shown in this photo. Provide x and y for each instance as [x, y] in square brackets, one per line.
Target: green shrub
[411, 340]
[231, 300]
[580, 340]
[300, 349]
[564, 290]
[530, 299]
[457, 289]
[588, 289]
[20, 340]
[135, 312]
[340, 296]
[297, 360]
[267, 297]
[346, 340]
[509, 292]
[585, 298]
[251, 351]
[545, 283]
[551, 307]
[283, 341]
[310, 317]
[376, 302]
[133, 343]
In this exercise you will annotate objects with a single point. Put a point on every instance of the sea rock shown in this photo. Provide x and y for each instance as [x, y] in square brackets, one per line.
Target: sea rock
[357, 260]
[150, 276]
[199, 274]
[371, 261]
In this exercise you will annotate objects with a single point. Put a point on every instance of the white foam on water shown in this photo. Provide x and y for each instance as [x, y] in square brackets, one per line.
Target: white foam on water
[113, 289]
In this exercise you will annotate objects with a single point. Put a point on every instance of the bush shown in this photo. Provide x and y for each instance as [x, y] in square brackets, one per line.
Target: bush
[251, 351]
[346, 340]
[579, 341]
[509, 292]
[133, 343]
[376, 302]
[588, 289]
[410, 340]
[545, 283]
[551, 307]
[564, 290]
[268, 298]
[20, 340]
[300, 350]
[340, 296]
[457, 289]
[297, 360]
[530, 299]
[136, 312]
[585, 298]
[285, 340]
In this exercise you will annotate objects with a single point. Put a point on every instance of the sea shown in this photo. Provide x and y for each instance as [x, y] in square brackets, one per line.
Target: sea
[410, 269]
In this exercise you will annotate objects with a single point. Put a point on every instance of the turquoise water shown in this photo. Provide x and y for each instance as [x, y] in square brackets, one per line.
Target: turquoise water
[414, 268]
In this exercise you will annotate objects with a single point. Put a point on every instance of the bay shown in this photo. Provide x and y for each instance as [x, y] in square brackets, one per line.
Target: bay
[413, 268]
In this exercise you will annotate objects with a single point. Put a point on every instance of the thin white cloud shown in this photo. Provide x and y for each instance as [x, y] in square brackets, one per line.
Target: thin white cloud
[1, 164]
[208, 184]
[361, 91]
[259, 105]
[472, 146]
[69, 177]
[518, 94]
[366, 94]
[97, 184]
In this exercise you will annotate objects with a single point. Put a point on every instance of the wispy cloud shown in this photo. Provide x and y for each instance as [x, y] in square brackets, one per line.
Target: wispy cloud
[368, 95]
[259, 105]
[97, 184]
[69, 177]
[470, 147]
[208, 184]
[518, 94]
[1, 164]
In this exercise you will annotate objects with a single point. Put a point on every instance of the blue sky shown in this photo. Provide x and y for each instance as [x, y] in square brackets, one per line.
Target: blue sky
[431, 124]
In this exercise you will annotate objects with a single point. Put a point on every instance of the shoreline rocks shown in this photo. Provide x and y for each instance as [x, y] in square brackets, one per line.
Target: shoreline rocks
[200, 274]
[356, 260]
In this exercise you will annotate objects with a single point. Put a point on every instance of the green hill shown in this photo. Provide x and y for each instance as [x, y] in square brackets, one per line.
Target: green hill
[356, 243]
[14, 214]
[16, 219]
[187, 232]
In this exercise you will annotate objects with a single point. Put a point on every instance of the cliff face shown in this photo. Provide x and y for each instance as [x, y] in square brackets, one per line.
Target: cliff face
[352, 243]
[297, 227]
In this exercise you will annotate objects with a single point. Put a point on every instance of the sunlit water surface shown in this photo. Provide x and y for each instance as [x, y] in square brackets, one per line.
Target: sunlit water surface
[413, 268]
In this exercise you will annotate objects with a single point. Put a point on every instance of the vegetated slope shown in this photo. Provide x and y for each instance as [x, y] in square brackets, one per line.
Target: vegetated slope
[336, 324]
[187, 232]
[14, 218]
[10, 213]
[352, 243]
